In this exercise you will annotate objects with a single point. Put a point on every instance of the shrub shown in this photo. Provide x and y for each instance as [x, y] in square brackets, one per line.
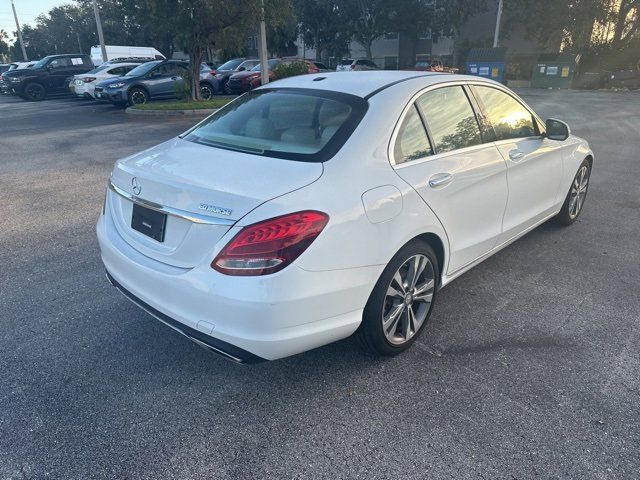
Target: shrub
[290, 69]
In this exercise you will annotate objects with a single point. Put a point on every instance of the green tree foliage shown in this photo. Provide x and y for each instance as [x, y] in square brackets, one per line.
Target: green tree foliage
[324, 26]
[329, 25]
[4, 43]
[290, 69]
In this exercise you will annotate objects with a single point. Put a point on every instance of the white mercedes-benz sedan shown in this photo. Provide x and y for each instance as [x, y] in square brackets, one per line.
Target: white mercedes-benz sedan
[325, 205]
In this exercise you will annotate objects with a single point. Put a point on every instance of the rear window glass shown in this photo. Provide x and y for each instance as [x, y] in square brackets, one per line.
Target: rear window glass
[294, 124]
[230, 65]
[346, 62]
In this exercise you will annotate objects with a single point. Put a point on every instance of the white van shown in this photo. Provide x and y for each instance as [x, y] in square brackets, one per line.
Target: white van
[116, 51]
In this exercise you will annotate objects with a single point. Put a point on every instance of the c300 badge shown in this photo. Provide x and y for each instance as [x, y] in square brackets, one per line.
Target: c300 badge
[213, 209]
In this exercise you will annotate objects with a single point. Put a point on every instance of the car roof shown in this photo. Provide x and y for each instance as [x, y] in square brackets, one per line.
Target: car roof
[364, 84]
[62, 55]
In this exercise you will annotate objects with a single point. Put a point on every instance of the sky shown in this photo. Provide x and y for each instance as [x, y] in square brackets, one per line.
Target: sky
[27, 11]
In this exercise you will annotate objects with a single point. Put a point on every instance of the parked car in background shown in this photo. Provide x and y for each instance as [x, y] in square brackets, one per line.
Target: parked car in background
[320, 66]
[429, 65]
[241, 82]
[4, 67]
[84, 85]
[273, 72]
[216, 80]
[353, 65]
[49, 75]
[119, 51]
[153, 80]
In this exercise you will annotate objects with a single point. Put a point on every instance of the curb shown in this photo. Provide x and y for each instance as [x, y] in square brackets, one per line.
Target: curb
[170, 113]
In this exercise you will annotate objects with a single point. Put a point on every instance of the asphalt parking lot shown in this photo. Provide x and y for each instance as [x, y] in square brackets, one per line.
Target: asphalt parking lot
[529, 368]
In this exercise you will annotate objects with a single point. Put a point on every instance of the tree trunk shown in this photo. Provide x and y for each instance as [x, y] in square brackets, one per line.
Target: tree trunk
[195, 59]
[367, 49]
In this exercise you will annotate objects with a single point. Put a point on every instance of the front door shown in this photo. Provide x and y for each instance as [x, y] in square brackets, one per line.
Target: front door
[534, 163]
[59, 70]
[461, 178]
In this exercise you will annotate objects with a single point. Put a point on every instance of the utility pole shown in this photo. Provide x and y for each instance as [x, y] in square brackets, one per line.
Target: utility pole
[15, 15]
[496, 36]
[264, 66]
[100, 35]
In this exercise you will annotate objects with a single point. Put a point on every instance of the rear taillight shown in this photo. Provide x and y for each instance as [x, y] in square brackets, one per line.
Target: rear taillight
[88, 79]
[213, 72]
[352, 67]
[269, 246]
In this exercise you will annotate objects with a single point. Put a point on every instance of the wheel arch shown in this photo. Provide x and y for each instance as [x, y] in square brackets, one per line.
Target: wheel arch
[141, 87]
[438, 246]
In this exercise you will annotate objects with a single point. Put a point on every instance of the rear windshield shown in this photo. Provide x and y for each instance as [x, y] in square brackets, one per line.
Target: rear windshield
[271, 64]
[99, 69]
[295, 124]
[346, 62]
[230, 65]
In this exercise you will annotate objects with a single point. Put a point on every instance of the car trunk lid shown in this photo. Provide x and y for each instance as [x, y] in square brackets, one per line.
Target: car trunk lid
[203, 191]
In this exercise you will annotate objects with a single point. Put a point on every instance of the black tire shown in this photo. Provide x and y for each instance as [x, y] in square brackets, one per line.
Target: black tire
[569, 214]
[206, 91]
[371, 332]
[138, 96]
[35, 92]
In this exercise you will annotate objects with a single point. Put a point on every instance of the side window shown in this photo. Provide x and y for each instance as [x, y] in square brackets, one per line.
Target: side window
[63, 62]
[118, 71]
[166, 69]
[509, 118]
[412, 142]
[450, 119]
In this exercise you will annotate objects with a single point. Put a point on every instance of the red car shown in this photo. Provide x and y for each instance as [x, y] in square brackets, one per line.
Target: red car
[429, 66]
[243, 81]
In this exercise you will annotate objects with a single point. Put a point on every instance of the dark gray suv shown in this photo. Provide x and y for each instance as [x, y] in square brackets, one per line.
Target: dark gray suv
[48, 75]
[153, 80]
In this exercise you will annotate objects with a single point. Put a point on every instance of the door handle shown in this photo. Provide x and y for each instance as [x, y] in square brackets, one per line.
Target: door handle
[440, 180]
[516, 155]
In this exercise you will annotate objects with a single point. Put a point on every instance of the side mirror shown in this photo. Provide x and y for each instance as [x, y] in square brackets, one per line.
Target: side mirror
[557, 130]
[241, 69]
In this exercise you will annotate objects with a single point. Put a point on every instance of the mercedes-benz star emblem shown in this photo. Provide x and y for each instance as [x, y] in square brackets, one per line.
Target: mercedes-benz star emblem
[135, 183]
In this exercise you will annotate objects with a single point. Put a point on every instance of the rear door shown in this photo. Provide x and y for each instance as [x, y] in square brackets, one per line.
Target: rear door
[534, 163]
[439, 150]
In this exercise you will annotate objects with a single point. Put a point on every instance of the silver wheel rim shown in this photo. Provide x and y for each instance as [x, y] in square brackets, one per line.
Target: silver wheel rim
[408, 299]
[206, 93]
[578, 191]
[138, 98]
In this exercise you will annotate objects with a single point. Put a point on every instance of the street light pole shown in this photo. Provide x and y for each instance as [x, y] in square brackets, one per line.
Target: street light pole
[496, 36]
[264, 67]
[100, 35]
[15, 15]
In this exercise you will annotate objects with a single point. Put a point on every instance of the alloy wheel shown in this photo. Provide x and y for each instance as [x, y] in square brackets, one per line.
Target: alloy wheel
[408, 299]
[138, 97]
[35, 91]
[578, 191]
[206, 92]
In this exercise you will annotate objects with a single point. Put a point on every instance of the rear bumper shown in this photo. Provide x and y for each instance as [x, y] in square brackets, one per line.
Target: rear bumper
[268, 317]
[217, 346]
